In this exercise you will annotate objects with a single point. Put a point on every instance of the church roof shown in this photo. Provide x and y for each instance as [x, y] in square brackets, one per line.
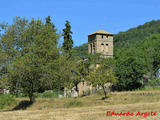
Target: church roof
[101, 32]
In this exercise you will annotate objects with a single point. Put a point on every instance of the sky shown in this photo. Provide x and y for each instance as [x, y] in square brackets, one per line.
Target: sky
[85, 16]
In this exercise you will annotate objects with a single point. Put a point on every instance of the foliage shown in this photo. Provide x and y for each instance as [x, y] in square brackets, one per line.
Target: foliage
[136, 53]
[154, 82]
[70, 71]
[150, 46]
[131, 65]
[49, 94]
[81, 51]
[68, 42]
[64, 76]
[32, 49]
[102, 75]
[6, 100]
[135, 62]
[30, 60]
[133, 35]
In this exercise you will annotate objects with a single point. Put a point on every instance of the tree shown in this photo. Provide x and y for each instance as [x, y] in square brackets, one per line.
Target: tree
[68, 42]
[150, 46]
[131, 66]
[64, 75]
[81, 70]
[3, 66]
[80, 51]
[141, 59]
[49, 23]
[3, 58]
[102, 75]
[32, 47]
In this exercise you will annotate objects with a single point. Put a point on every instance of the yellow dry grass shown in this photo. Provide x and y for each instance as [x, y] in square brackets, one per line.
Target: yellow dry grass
[93, 108]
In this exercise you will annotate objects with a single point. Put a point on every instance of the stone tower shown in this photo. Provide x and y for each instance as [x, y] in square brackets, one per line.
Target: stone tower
[101, 42]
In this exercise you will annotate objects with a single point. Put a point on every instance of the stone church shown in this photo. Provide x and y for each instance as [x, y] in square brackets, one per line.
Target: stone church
[98, 42]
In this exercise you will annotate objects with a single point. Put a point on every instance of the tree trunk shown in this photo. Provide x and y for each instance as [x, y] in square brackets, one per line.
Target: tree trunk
[105, 93]
[77, 89]
[31, 98]
[31, 95]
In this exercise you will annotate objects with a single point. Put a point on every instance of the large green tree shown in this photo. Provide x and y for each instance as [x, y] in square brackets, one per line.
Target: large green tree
[32, 47]
[133, 64]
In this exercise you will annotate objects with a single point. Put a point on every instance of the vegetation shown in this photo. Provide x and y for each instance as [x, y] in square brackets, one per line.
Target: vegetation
[136, 54]
[140, 60]
[68, 42]
[6, 100]
[31, 47]
[81, 52]
[31, 62]
[49, 94]
[133, 35]
[103, 75]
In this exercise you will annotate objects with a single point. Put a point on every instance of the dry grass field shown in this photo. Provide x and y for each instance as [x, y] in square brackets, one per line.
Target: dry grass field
[89, 107]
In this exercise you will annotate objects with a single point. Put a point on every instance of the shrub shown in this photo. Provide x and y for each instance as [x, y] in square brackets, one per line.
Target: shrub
[6, 100]
[49, 94]
[154, 82]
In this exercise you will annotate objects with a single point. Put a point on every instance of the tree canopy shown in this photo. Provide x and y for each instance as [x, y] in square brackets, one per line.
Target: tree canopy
[68, 42]
[31, 47]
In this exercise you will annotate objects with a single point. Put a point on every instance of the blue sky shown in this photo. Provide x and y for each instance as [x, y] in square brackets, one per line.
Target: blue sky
[85, 16]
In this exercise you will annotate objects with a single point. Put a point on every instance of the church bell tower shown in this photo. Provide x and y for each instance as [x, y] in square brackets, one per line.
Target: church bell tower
[101, 42]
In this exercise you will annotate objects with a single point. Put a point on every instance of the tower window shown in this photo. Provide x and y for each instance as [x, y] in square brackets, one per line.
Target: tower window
[91, 47]
[106, 48]
[102, 36]
[102, 44]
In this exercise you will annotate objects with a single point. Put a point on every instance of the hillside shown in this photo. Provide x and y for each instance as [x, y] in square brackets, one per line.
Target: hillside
[127, 38]
[81, 51]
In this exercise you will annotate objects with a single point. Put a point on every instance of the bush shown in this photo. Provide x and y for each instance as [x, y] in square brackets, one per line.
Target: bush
[49, 94]
[6, 100]
[154, 82]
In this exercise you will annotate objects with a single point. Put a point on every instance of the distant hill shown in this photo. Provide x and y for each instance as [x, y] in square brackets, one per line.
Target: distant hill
[81, 51]
[133, 35]
[127, 38]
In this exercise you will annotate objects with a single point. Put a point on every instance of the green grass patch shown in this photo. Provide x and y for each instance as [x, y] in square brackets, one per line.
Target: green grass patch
[6, 100]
